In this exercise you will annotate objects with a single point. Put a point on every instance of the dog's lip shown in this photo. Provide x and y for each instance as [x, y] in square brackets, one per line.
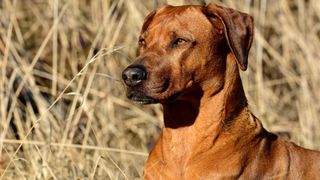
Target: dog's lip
[153, 99]
[142, 100]
[140, 97]
[155, 94]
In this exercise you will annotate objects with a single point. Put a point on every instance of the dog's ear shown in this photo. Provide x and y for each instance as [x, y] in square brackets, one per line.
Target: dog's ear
[238, 30]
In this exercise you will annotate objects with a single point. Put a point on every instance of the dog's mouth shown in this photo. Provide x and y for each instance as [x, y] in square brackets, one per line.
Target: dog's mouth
[140, 97]
[162, 92]
[143, 100]
[146, 97]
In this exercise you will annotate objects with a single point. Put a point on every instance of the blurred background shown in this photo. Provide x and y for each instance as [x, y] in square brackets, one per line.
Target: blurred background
[63, 110]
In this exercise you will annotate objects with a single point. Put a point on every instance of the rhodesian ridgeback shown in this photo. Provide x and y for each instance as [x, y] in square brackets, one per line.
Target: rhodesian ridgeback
[189, 62]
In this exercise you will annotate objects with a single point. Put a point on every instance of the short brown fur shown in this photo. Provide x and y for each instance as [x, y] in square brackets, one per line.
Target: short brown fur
[209, 131]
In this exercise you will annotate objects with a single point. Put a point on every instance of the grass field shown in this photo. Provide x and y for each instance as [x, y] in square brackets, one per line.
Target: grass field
[63, 111]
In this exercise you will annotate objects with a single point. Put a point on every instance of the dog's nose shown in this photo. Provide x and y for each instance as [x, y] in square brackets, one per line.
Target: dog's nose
[133, 76]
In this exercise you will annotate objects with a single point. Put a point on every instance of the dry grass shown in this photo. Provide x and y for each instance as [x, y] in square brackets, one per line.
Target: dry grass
[63, 112]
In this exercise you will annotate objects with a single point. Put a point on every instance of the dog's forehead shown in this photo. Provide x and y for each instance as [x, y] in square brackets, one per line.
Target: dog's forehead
[178, 18]
[170, 10]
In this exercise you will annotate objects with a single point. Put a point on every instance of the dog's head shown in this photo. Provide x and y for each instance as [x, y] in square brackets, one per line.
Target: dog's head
[184, 46]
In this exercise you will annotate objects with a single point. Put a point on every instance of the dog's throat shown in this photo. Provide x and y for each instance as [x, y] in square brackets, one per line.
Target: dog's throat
[179, 114]
[183, 108]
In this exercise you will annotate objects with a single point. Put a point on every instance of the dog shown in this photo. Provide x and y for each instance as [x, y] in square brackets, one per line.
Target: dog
[189, 62]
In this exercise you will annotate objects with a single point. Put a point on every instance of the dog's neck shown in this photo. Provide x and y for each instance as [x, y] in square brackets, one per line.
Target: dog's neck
[200, 118]
[221, 104]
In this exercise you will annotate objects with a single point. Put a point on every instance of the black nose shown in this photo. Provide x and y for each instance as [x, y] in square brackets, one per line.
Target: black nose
[134, 75]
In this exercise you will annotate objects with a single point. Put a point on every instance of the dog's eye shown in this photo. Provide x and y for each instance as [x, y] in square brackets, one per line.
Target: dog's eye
[179, 41]
[142, 42]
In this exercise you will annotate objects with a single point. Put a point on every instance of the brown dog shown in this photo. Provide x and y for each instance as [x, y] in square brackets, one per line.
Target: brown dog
[189, 59]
